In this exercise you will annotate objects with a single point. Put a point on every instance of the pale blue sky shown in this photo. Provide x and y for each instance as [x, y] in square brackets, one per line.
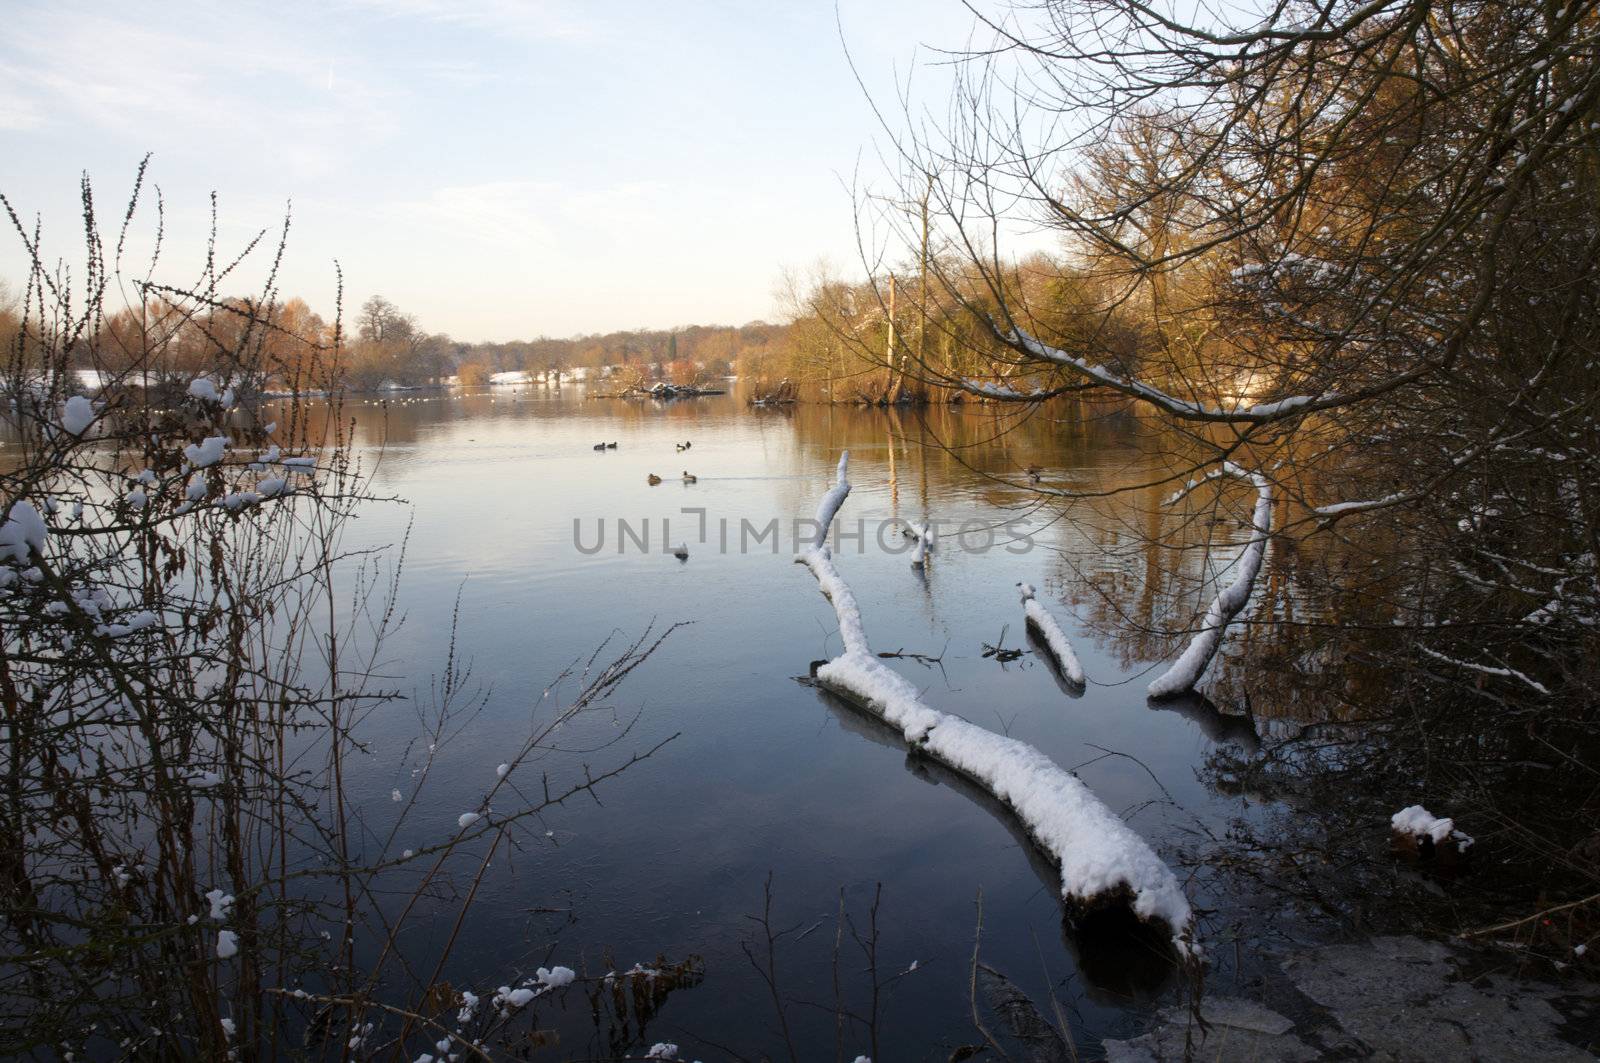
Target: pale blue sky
[500, 169]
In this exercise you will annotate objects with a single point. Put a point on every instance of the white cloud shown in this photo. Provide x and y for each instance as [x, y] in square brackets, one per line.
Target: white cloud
[499, 167]
[234, 81]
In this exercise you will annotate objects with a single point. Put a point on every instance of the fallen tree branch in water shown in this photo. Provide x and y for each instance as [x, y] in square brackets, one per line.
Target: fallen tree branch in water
[925, 539]
[1050, 633]
[998, 651]
[1098, 856]
[920, 658]
[1187, 669]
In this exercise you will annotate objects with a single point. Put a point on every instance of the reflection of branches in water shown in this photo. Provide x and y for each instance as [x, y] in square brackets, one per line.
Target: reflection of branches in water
[1135, 572]
[1293, 653]
[1041, 1042]
[1041, 651]
[1314, 851]
[765, 958]
[622, 1004]
[1317, 836]
[1222, 728]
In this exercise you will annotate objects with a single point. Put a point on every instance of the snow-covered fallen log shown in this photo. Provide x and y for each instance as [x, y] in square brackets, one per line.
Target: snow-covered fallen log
[1040, 622]
[1099, 857]
[1418, 832]
[1187, 669]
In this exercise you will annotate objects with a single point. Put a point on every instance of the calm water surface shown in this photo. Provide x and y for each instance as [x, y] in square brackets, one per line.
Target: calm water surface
[765, 775]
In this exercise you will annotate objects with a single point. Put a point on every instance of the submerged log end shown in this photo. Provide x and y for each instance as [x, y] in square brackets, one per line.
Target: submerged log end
[1417, 834]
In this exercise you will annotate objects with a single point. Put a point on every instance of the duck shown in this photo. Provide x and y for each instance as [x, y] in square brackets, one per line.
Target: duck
[681, 551]
[690, 478]
[1033, 473]
[611, 446]
[599, 446]
[684, 446]
[652, 479]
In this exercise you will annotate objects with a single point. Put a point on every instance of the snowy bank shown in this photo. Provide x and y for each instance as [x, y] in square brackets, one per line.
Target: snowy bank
[1098, 856]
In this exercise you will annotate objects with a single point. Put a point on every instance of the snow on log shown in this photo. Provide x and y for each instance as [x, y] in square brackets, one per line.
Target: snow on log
[1099, 856]
[1055, 640]
[832, 501]
[1187, 669]
[1417, 832]
[925, 539]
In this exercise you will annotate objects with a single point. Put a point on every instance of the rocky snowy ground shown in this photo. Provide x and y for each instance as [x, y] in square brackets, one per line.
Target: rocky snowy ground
[1393, 998]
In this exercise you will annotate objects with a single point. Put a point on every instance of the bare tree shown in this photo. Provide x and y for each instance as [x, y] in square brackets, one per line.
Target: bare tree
[1348, 247]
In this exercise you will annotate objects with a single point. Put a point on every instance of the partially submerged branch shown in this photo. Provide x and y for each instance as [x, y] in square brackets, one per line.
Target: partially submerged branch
[1050, 634]
[1099, 857]
[1187, 669]
[925, 538]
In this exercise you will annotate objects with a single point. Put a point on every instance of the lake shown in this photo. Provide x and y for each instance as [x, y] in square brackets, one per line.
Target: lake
[514, 514]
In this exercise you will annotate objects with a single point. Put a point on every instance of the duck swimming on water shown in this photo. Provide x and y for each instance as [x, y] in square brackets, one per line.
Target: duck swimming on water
[689, 478]
[652, 479]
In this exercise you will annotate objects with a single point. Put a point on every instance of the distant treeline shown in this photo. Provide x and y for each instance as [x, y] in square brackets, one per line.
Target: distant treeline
[890, 338]
[682, 355]
[838, 342]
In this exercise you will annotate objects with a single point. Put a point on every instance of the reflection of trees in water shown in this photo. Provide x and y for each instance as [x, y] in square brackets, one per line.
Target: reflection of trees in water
[1222, 728]
[1135, 572]
[955, 442]
[1376, 736]
[623, 1004]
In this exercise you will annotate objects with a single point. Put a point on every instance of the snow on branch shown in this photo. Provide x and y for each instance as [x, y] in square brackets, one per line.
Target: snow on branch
[926, 538]
[1187, 669]
[1339, 509]
[1099, 856]
[1055, 640]
[1485, 669]
[831, 502]
[1334, 510]
[1184, 408]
